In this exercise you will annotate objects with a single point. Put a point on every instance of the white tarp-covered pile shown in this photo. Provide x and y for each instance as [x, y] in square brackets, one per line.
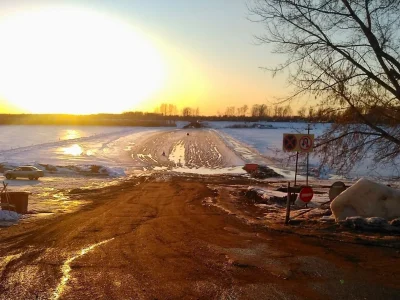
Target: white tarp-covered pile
[367, 199]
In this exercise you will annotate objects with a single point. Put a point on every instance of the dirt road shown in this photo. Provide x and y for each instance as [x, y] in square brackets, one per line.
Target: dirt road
[153, 238]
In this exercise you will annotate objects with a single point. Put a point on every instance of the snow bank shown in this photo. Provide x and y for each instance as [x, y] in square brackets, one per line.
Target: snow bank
[9, 216]
[367, 199]
[82, 169]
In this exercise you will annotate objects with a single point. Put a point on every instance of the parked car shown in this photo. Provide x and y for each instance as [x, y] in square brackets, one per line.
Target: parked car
[30, 172]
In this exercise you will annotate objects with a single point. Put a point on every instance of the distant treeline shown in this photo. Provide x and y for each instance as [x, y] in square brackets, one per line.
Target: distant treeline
[285, 113]
[126, 119]
[258, 113]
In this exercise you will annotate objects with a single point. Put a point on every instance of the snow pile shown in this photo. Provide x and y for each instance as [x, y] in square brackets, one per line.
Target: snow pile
[367, 199]
[113, 171]
[9, 216]
[83, 169]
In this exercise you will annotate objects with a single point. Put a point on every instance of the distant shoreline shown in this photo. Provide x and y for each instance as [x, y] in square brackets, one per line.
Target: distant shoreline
[134, 119]
[86, 120]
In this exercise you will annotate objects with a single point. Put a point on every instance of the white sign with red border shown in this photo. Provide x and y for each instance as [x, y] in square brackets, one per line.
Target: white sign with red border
[298, 142]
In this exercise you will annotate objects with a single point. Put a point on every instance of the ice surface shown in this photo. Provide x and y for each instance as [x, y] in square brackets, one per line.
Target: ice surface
[95, 156]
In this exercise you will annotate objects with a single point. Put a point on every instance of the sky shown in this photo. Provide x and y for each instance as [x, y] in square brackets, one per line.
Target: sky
[123, 55]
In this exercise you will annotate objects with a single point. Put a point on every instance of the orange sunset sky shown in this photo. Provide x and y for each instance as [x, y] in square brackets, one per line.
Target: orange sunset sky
[113, 56]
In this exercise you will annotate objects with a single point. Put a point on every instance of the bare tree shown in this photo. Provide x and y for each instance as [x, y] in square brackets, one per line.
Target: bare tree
[164, 109]
[287, 111]
[302, 112]
[241, 111]
[262, 110]
[230, 111]
[245, 108]
[172, 110]
[187, 112]
[255, 110]
[347, 55]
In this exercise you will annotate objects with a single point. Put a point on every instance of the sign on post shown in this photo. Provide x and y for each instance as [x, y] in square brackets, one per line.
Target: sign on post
[306, 194]
[298, 142]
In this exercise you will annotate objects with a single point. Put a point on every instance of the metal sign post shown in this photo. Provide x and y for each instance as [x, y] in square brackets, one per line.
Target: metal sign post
[299, 143]
[295, 173]
[308, 132]
[288, 204]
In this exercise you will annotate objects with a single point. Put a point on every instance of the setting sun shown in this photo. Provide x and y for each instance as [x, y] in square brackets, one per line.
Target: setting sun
[76, 61]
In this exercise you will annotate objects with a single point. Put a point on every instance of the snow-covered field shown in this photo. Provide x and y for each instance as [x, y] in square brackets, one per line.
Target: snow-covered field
[93, 156]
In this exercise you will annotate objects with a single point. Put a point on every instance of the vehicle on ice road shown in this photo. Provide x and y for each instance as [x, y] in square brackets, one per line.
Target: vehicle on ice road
[30, 172]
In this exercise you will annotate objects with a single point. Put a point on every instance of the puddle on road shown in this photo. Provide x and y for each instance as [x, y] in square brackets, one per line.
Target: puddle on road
[66, 268]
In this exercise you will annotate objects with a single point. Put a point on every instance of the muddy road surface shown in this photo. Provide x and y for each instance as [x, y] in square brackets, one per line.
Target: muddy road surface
[154, 238]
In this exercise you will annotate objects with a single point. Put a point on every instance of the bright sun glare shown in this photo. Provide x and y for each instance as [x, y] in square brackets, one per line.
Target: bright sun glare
[76, 61]
[74, 150]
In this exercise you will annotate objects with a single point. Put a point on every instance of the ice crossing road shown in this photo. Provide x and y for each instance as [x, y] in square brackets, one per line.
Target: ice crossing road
[181, 148]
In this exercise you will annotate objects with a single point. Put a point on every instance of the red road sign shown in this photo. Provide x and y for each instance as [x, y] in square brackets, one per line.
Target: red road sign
[306, 194]
[305, 143]
[289, 142]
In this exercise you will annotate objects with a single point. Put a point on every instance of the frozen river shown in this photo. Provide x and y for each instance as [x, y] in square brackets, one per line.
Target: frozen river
[93, 156]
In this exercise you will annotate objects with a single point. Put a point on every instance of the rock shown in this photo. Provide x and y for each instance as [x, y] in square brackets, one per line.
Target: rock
[395, 222]
[278, 200]
[256, 196]
[376, 222]
[355, 222]
[370, 224]
[367, 199]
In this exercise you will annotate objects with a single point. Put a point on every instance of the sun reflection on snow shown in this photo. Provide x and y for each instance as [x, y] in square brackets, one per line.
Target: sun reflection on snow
[74, 150]
[77, 150]
[71, 134]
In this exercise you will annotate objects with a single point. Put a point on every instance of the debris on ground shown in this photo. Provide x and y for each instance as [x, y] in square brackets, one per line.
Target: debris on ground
[195, 124]
[259, 195]
[260, 171]
[369, 224]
